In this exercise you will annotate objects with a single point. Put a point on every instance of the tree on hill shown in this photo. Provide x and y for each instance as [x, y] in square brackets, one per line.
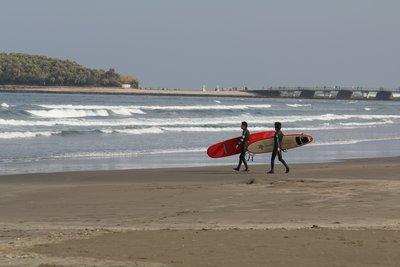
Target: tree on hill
[17, 68]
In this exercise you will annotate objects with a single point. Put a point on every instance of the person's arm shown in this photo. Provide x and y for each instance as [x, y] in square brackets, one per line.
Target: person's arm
[246, 139]
[280, 140]
[241, 140]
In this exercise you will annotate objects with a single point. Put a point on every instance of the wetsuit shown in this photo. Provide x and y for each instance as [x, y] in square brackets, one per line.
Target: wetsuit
[243, 143]
[278, 138]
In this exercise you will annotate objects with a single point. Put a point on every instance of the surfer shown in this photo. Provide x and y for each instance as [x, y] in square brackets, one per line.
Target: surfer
[242, 145]
[277, 151]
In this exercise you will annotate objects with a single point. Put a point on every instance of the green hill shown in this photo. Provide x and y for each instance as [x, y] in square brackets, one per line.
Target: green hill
[24, 69]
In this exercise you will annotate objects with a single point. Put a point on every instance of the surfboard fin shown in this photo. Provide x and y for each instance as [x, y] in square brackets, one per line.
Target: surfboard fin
[250, 156]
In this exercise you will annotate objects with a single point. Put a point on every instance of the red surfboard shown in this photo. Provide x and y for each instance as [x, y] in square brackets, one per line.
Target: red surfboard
[229, 147]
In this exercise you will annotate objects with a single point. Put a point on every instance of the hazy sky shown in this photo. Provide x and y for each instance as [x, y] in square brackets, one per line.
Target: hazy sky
[185, 43]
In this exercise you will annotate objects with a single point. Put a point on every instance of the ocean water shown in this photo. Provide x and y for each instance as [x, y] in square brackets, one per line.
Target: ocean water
[57, 132]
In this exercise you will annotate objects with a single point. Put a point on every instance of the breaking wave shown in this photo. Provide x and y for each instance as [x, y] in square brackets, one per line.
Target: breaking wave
[27, 134]
[4, 105]
[207, 122]
[139, 109]
[298, 105]
[355, 141]
[69, 113]
[165, 129]
[366, 123]
[208, 107]
[152, 130]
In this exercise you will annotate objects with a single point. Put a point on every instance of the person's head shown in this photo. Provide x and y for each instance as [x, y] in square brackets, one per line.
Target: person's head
[244, 125]
[278, 126]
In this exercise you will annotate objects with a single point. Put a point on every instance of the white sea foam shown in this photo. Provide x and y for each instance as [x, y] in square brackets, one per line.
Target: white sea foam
[30, 134]
[208, 107]
[121, 154]
[115, 109]
[80, 111]
[27, 134]
[257, 120]
[354, 141]
[207, 121]
[13, 122]
[181, 107]
[208, 129]
[5, 105]
[298, 105]
[258, 128]
[163, 129]
[366, 123]
[152, 130]
[127, 111]
[90, 107]
[69, 113]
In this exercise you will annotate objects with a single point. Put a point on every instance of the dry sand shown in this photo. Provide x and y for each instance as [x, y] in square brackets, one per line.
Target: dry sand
[331, 214]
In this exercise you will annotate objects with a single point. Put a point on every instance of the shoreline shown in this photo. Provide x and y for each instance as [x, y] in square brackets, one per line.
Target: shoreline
[336, 213]
[200, 166]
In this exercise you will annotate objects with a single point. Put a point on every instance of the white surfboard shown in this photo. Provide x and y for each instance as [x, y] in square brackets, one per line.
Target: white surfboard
[289, 141]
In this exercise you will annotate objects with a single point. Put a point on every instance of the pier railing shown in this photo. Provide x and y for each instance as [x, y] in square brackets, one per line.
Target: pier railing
[330, 92]
[332, 88]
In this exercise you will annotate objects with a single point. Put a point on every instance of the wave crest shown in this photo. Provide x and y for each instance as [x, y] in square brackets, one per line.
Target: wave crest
[27, 134]
[143, 107]
[207, 122]
[69, 113]
[298, 105]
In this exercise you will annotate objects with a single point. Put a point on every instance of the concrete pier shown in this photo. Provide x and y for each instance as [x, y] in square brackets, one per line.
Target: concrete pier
[324, 92]
[384, 95]
[307, 94]
[335, 92]
[344, 94]
[267, 93]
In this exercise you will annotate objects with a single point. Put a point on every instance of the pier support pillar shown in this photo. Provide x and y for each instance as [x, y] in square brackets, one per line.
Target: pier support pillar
[275, 93]
[384, 95]
[344, 94]
[307, 94]
[268, 93]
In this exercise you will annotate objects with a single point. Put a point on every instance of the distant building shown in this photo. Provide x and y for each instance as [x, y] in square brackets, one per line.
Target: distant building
[126, 85]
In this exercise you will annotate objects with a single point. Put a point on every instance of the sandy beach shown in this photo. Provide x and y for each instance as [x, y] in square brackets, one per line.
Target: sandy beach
[329, 214]
[122, 125]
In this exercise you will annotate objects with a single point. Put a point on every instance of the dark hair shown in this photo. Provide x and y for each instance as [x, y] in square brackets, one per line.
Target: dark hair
[244, 123]
[278, 125]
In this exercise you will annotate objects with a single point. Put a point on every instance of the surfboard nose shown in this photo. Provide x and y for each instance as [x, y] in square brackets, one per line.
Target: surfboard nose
[306, 139]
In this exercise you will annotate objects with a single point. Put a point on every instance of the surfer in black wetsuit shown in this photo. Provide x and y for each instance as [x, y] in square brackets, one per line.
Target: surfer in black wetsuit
[243, 143]
[278, 138]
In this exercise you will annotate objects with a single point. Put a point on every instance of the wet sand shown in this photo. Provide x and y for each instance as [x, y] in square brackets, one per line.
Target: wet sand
[330, 214]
